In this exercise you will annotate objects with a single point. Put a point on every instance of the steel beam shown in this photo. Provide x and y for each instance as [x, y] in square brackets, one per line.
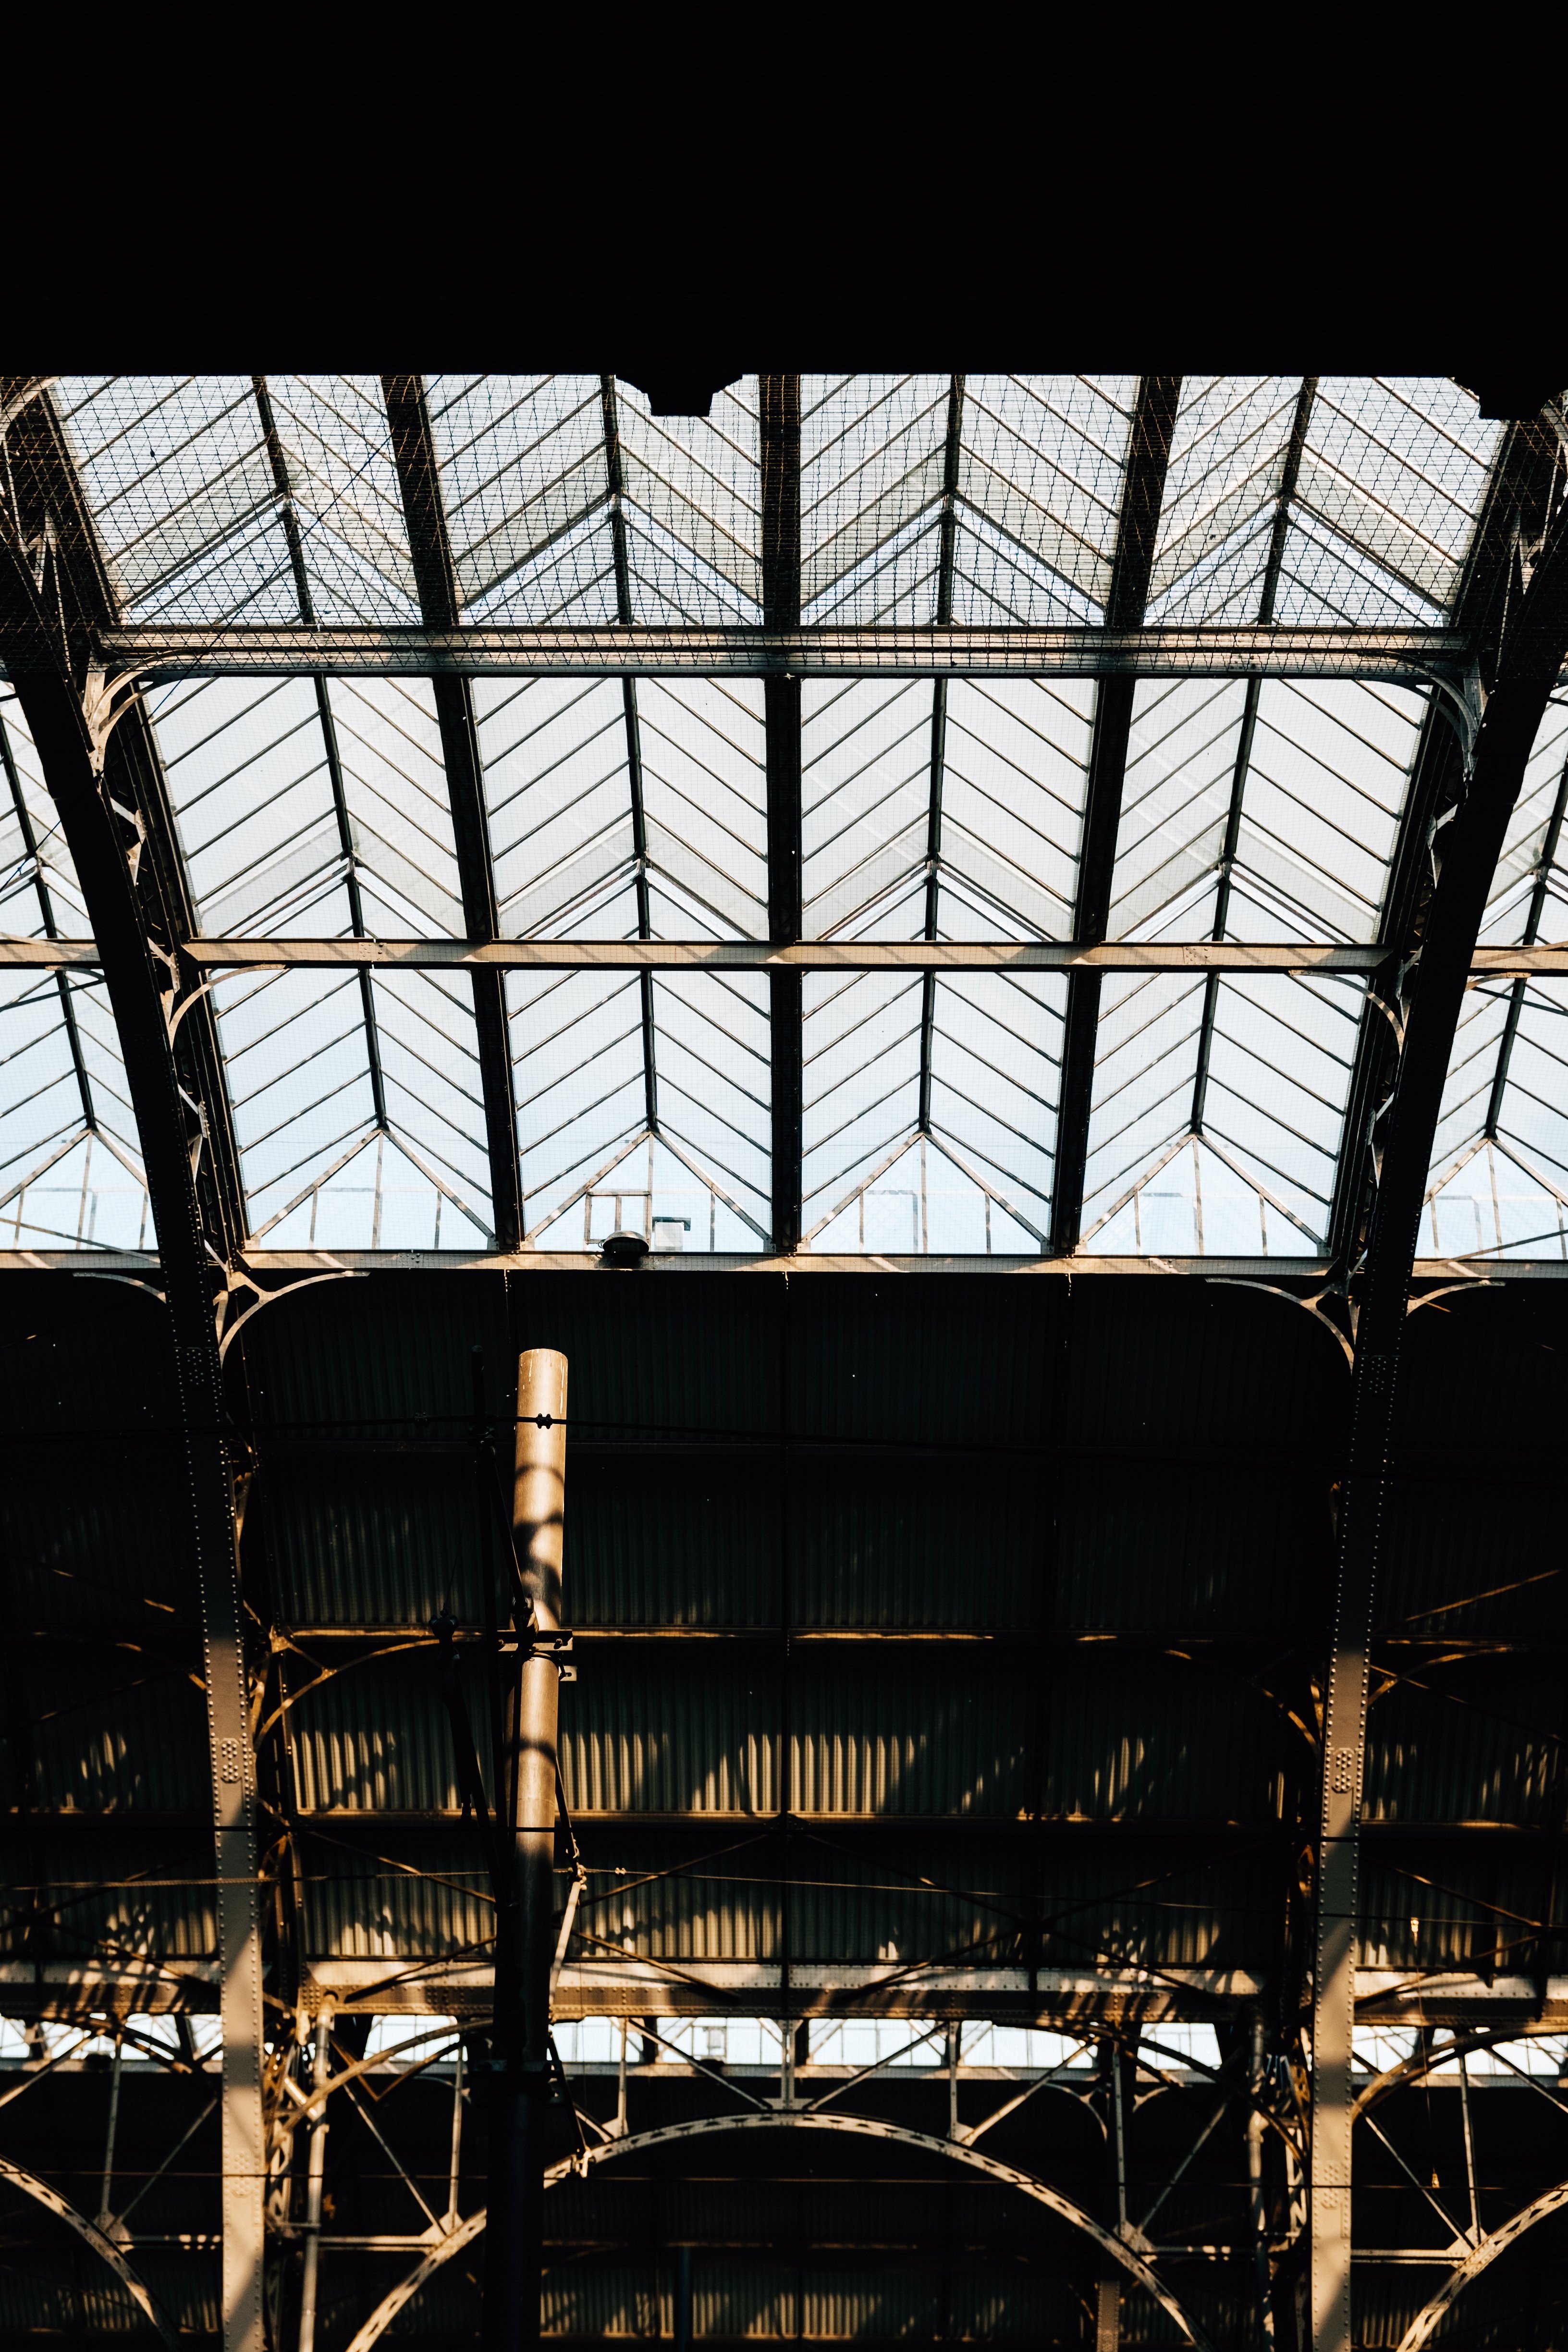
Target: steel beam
[525, 1937]
[948, 543]
[1148, 455]
[435, 580]
[1290, 473]
[780, 551]
[46, 620]
[1515, 503]
[1409, 657]
[1113, 2249]
[1528, 663]
[615, 469]
[762, 955]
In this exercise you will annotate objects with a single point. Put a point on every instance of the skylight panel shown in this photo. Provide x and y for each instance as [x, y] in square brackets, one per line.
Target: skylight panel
[1223, 483]
[1042, 461]
[181, 491]
[342, 1150]
[522, 464]
[682, 1154]
[693, 502]
[1320, 798]
[337, 447]
[1529, 894]
[388, 742]
[861, 1050]
[558, 797]
[705, 794]
[865, 797]
[251, 790]
[39, 894]
[1257, 1137]
[1175, 805]
[70, 1164]
[1015, 773]
[871, 462]
[1398, 471]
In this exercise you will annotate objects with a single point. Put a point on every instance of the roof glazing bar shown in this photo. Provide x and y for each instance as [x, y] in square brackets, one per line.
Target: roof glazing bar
[1531, 930]
[280, 465]
[1410, 657]
[780, 422]
[1277, 538]
[948, 539]
[1148, 455]
[634, 741]
[47, 909]
[436, 579]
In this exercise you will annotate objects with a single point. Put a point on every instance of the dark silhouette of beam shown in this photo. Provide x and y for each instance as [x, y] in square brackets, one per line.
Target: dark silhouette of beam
[436, 581]
[1148, 455]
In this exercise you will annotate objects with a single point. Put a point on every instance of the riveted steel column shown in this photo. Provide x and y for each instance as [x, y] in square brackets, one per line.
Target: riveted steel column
[514, 2237]
[315, 2174]
[1528, 665]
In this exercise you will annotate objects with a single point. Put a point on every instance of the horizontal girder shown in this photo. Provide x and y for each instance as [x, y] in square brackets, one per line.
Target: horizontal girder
[1410, 655]
[957, 956]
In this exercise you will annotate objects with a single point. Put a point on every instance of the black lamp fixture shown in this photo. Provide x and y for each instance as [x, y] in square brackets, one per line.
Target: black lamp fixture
[624, 1249]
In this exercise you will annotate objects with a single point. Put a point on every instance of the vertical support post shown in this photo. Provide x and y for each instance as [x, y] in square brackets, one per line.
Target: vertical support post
[315, 2175]
[954, 2042]
[1469, 2151]
[780, 425]
[1256, 2203]
[105, 2210]
[525, 1944]
[454, 2169]
[1108, 2310]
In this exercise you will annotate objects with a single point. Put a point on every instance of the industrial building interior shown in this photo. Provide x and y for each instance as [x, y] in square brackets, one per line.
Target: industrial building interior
[772, 1570]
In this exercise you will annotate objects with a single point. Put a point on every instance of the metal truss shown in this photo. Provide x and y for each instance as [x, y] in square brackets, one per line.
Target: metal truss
[1525, 670]
[1149, 452]
[436, 582]
[1399, 656]
[103, 777]
[761, 955]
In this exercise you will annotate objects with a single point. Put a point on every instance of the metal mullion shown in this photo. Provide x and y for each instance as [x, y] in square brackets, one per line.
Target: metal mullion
[1538, 899]
[1289, 474]
[46, 908]
[949, 532]
[1520, 473]
[1148, 454]
[436, 581]
[617, 474]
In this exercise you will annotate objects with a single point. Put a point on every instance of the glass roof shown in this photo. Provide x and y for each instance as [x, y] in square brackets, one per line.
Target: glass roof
[1262, 811]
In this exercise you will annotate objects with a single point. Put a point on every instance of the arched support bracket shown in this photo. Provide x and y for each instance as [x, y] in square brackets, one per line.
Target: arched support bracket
[90, 2235]
[1112, 2247]
[1424, 2326]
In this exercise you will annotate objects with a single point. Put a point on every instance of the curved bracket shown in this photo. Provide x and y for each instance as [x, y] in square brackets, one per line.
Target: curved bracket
[1481, 2258]
[858, 2126]
[90, 2235]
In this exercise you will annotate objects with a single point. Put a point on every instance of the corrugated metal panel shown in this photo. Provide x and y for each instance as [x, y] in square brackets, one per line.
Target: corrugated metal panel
[1466, 1740]
[379, 1541]
[672, 1541]
[140, 1894]
[1446, 1903]
[637, 1737]
[417, 1895]
[916, 1544]
[605, 2299]
[94, 1544]
[1132, 1738]
[97, 1746]
[378, 1352]
[376, 1739]
[1185, 1364]
[1468, 1557]
[1159, 1903]
[908, 1735]
[866, 2301]
[1193, 1550]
